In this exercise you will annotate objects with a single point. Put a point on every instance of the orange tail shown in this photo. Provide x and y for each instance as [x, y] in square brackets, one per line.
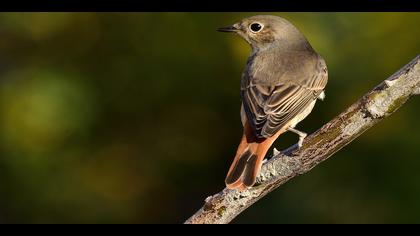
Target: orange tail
[248, 160]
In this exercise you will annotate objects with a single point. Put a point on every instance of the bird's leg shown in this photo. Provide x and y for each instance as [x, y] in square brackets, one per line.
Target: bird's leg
[301, 134]
[275, 153]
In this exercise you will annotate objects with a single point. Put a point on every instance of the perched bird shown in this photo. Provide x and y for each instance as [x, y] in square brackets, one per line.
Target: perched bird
[282, 80]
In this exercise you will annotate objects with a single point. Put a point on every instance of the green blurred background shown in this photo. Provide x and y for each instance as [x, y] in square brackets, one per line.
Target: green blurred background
[134, 118]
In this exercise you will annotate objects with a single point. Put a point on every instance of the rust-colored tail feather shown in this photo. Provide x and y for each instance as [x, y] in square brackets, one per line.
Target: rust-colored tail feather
[244, 169]
[248, 160]
[237, 168]
[251, 171]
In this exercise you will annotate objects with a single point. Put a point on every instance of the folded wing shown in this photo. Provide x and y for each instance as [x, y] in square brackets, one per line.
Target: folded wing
[269, 107]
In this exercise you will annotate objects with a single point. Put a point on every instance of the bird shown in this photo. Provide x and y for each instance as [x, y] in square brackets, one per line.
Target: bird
[282, 80]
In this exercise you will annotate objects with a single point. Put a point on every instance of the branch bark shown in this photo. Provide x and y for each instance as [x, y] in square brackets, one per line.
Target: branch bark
[373, 107]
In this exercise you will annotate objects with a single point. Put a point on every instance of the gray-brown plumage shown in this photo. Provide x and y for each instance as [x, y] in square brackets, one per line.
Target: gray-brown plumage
[281, 82]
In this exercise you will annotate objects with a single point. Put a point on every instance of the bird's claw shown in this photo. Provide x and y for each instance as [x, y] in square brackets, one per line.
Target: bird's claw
[300, 142]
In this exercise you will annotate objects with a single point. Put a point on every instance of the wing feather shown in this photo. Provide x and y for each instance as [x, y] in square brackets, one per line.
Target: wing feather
[270, 107]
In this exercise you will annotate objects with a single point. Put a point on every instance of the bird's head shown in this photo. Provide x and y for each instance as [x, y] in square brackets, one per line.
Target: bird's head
[265, 30]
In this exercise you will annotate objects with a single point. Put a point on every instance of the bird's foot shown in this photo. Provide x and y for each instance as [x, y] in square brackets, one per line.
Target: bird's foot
[300, 142]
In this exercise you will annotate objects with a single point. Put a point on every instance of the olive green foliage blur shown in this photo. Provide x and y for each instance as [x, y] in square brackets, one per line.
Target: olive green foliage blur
[134, 118]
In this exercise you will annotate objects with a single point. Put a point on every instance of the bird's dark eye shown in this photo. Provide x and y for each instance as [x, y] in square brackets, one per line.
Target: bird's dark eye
[255, 27]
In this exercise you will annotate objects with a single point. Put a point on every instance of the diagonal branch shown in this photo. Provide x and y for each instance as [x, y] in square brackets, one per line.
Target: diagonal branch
[373, 107]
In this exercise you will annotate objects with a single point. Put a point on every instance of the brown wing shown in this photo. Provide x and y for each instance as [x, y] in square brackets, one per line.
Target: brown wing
[270, 107]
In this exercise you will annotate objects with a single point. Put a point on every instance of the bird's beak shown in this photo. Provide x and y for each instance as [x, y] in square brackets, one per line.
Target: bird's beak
[229, 29]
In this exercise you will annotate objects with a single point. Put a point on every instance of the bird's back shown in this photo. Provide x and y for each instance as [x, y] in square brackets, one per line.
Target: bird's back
[277, 84]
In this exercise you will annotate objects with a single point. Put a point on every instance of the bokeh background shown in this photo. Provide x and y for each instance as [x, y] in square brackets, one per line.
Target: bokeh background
[134, 118]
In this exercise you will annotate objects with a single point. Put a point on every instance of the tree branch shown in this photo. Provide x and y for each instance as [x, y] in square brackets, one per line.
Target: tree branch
[373, 107]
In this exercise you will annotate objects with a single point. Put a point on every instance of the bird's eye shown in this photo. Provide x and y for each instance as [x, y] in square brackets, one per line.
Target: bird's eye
[255, 27]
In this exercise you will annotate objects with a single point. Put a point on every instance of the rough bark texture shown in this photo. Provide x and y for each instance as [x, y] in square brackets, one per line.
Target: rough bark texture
[373, 107]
